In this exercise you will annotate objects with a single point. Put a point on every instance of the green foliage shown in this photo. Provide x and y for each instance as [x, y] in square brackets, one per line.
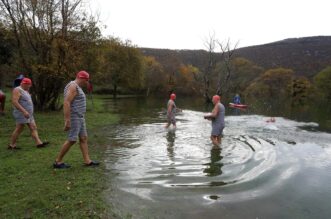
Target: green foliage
[243, 73]
[155, 78]
[122, 65]
[187, 80]
[271, 88]
[322, 82]
[301, 91]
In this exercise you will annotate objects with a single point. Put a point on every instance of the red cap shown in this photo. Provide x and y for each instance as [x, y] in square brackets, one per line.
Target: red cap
[216, 98]
[83, 75]
[26, 81]
[173, 96]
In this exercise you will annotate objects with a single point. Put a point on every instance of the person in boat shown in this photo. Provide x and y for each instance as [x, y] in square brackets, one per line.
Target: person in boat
[236, 99]
[171, 111]
[23, 114]
[217, 120]
[74, 108]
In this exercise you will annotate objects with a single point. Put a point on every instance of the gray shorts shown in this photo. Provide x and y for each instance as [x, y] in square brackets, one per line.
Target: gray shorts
[217, 130]
[78, 128]
[171, 119]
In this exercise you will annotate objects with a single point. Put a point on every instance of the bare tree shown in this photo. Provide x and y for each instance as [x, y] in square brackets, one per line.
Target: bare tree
[210, 45]
[226, 56]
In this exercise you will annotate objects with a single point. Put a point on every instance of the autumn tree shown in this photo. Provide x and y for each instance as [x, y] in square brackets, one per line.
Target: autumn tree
[187, 80]
[6, 52]
[50, 36]
[243, 73]
[122, 65]
[155, 79]
[272, 89]
[322, 83]
[300, 91]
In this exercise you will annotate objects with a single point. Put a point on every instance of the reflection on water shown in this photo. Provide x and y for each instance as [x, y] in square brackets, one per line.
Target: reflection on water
[280, 170]
[215, 165]
[171, 136]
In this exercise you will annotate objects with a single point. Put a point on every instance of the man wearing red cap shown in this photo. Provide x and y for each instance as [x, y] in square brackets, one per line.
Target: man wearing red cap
[171, 111]
[23, 114]
[74, 108]
[217, 118]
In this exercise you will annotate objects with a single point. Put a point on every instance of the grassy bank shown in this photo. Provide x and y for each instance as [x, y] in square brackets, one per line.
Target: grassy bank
[31, 188]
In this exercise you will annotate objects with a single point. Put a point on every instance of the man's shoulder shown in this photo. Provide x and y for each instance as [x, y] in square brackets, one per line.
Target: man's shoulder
[221, 105]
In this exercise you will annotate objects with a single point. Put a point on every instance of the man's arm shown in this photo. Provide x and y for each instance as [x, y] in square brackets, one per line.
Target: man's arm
[171, 105]
[72, 92]
[15, 97]
[215, 111]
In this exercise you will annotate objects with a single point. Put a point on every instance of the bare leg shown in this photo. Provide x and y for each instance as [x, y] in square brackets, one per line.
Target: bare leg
[84, 149]
[18, 130]
[215, 141]
[34, 133]
[65, 148]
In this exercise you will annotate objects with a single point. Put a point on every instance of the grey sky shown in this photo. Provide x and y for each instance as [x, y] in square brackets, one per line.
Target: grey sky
[185, 24]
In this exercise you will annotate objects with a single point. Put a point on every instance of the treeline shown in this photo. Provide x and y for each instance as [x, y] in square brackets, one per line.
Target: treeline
[49, 41]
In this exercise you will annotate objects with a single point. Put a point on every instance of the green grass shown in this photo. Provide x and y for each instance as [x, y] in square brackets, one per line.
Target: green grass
[31, 188]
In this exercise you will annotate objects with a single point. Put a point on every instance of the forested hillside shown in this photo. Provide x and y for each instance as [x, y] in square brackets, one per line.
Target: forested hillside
[305, 56]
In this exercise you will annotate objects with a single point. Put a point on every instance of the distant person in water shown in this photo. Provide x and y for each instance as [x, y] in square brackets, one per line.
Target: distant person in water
[272, 119]
[217, 120]
[171, 111]
[236, 99]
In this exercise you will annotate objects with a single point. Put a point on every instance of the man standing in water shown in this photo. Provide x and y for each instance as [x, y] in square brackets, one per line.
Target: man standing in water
[74, 108]
[23, 114]
[171, 111]
[217, 118]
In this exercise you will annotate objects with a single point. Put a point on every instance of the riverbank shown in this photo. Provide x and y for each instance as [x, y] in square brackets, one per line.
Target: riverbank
[31, 188]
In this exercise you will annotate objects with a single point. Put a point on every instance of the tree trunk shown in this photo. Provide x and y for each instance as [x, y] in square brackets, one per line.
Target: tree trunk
[115, 91]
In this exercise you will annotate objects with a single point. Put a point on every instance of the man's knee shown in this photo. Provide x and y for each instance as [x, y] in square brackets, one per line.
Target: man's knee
[83, 139]
[32, 126]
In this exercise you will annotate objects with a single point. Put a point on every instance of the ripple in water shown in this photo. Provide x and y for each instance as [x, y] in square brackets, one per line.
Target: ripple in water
[256, 160]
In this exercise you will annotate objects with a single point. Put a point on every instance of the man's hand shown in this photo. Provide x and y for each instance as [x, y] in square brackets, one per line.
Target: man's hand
[67, 125]
[26, 114]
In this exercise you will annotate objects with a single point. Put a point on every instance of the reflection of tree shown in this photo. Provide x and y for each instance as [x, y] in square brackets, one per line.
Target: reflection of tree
[214, 167]
[171, 135]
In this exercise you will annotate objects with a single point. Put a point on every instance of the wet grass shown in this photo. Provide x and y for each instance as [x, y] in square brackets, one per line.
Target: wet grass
[31, 188]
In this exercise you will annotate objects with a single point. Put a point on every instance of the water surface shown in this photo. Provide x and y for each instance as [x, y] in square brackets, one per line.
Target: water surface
[261, 170]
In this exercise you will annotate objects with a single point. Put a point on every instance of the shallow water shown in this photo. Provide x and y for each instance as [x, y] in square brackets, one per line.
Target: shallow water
[262, 170]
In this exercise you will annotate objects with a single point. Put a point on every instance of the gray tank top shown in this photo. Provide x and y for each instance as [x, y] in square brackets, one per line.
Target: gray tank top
[25, 101]
[78, 104]
[219, 120]
[173, 110]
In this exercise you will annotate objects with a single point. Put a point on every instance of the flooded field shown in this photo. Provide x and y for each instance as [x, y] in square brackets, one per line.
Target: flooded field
[262, 170]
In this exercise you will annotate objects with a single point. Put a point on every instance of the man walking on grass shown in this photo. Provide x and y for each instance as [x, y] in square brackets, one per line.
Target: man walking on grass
[23, 113]
[74, 108]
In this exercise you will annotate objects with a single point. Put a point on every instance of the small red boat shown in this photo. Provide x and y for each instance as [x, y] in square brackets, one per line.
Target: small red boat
[241, 106]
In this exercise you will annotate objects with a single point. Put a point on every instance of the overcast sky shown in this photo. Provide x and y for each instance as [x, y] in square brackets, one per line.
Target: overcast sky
[186, 24]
